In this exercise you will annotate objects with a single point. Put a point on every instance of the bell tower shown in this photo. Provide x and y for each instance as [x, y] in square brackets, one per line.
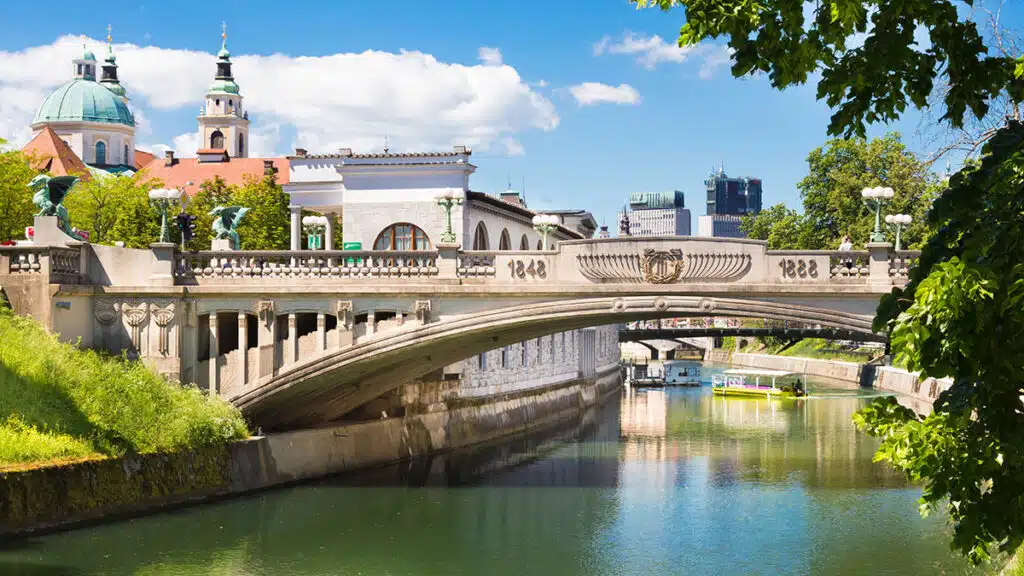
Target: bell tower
[223, 122]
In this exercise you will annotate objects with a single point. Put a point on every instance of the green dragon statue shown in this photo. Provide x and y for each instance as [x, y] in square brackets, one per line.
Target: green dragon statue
[48, 196]
[225, 225]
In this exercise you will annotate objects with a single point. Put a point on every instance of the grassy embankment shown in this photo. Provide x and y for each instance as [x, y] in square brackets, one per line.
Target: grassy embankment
[59, 403]
[808, 348]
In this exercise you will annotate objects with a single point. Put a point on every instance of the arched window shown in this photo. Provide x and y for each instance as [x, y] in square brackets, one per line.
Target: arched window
[217, 101]
[480, 238]
[125, 153]
[540, 245]
[524, 244]
[241, 145]
[217, 140]
[402, 237]
[506, 242]
[101, 153]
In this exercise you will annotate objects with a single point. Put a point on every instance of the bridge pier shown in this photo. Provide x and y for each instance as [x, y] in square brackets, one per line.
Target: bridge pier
[243, 347]
[214, 380]
[291, 354]
[266, 336]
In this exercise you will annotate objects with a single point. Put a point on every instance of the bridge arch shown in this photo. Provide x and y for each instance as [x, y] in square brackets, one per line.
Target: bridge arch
[327, 387]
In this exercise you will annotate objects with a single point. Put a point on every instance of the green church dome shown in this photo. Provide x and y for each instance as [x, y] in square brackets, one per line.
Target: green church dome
[82, 100]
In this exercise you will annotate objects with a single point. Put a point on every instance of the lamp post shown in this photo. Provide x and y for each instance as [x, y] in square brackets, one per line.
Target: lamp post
[545, 223]
[878, 196]
[447, 201]
[163, 198]
[314, 225]
[898, 221]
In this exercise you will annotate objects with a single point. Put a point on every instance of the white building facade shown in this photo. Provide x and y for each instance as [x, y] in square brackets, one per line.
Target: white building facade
[389, 201]
[657, 214]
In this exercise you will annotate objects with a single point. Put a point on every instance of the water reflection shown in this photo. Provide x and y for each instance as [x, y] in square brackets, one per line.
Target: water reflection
[670, 481]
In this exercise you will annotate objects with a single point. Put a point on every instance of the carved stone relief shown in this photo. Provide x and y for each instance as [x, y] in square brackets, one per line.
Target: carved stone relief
[344, 312]
[163, 315]
[422, 310]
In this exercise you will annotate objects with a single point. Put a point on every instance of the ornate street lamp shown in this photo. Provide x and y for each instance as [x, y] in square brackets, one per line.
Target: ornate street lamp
[545, 224]
[447, 201]
[163, 198]
[878, 196]
[315, 226]
[898, 221]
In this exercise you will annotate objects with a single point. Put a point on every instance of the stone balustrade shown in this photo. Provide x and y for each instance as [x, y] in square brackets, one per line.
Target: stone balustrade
[248, 266]
[63, 265]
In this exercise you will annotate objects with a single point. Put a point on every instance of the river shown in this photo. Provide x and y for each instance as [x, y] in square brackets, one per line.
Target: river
[672, 481]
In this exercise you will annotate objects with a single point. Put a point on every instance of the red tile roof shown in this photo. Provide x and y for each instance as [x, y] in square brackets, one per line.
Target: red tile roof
[50, 154]
[189, 173]
[142, 158]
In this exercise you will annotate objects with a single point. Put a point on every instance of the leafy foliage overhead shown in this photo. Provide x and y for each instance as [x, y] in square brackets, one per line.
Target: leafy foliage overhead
[863, 81]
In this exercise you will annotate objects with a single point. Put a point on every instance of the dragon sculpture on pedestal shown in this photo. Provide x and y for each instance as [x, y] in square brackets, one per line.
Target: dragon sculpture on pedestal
[48, 196]
[225, 223]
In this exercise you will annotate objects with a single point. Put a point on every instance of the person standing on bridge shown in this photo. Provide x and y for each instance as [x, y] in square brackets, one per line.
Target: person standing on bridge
[846, 246]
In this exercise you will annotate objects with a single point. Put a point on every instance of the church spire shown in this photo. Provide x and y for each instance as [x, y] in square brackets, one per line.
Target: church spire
[109, 74]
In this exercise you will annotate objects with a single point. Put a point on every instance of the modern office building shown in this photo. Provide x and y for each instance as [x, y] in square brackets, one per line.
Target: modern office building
[656, 214]
[732, 196]
[728, 200]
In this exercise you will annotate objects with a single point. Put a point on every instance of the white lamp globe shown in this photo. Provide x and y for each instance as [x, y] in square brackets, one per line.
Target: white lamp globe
[538, 220]
[890, 219]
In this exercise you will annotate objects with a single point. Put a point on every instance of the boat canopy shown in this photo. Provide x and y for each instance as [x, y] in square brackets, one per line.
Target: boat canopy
[758, 372]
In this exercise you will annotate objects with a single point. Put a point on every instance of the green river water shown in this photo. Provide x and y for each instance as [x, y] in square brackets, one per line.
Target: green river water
[672, 481]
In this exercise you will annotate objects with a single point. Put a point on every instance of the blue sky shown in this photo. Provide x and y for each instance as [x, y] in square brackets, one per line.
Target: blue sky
[663, 131]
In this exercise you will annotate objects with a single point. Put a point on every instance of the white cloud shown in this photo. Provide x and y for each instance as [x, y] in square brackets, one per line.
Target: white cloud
[333, 101]
[513, 147]
[489, 56]
[591, 93]
[653, 50]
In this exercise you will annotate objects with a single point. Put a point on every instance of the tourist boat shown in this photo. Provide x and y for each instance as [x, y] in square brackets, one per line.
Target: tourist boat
[682, 374]
[754, 383]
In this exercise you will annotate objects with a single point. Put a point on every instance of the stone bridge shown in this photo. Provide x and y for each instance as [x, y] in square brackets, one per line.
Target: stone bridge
[298, 338]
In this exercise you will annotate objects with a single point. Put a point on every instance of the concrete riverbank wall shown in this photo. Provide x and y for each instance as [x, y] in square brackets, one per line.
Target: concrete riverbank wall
[886, 378]
[59, 497]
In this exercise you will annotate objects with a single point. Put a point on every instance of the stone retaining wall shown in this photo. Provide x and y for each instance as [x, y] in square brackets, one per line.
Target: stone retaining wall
[886, 378]
[62, 496]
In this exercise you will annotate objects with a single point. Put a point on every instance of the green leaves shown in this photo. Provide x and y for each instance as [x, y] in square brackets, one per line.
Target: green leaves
[962, 316]
[872, 81]
[16, 208]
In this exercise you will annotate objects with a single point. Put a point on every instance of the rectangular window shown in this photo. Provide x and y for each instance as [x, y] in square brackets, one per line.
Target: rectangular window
[504, 357]
[552, 345]
[525, 363]
[482, 361]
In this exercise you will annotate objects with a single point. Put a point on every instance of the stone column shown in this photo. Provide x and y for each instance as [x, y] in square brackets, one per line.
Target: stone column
[296, 227]
[321, 332]
[447, 260]
[329, 236]
[371, 322]
[292, 353]
[878, 262]
[329, 233]
[266, 337]
[214, 368]
[243, 347]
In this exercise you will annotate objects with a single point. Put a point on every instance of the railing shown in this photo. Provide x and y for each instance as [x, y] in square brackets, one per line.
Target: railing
[848, 264]
[901, 262]
[305, 264]
[477, 264]
[63, 264]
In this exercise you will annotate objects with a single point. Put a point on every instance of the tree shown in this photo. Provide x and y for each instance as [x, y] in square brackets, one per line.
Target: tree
[960, 314]
[782, 227]
[97, 205]
[838, 171]
[864, 82]
[138, 221]
[16, 208]
[267, 225]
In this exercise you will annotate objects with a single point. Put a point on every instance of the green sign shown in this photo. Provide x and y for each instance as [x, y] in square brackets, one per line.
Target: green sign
[351, 246]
